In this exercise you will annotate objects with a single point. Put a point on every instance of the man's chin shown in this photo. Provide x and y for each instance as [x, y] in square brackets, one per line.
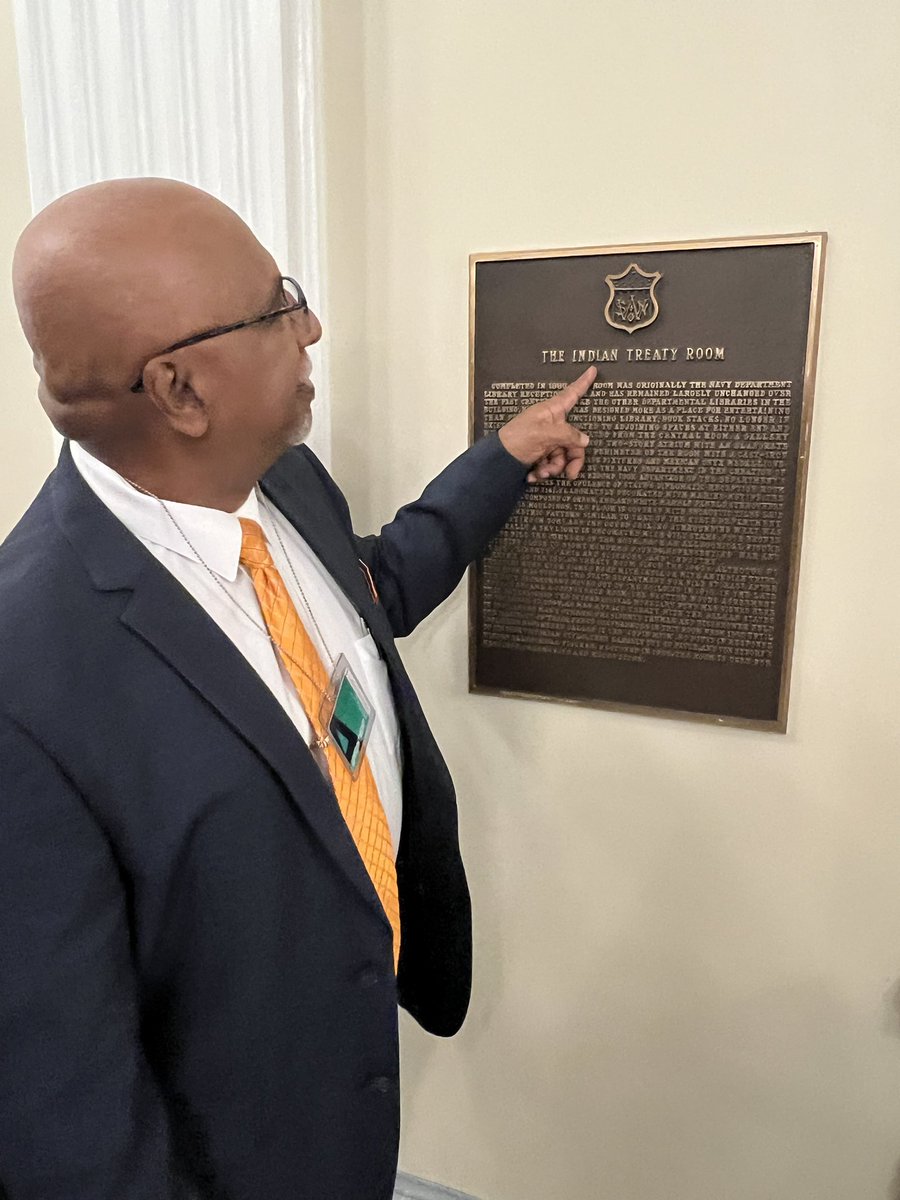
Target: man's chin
[301, 433]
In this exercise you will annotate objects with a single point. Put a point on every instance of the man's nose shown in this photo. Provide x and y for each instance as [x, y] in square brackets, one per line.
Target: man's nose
[307, 327]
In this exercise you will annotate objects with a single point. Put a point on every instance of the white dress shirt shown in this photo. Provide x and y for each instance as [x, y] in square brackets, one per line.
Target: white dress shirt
[227, 595]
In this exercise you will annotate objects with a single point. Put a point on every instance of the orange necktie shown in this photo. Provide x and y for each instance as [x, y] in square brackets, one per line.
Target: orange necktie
[358, 798]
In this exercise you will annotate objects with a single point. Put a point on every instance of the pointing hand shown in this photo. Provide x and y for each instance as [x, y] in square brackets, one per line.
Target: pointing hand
[541, 438]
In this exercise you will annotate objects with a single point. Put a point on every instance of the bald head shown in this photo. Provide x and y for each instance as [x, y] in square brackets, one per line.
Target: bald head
[108, 276]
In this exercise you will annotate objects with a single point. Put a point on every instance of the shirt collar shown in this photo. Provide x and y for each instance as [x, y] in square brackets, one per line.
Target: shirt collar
[214, 536]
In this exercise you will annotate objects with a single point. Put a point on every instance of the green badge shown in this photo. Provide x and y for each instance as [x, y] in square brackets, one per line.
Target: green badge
[348, 716]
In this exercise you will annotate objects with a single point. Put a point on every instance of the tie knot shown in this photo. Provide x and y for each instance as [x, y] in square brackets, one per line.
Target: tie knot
[254, 548]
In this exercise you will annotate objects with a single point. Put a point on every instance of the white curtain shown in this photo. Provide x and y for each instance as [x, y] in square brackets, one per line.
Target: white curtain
[223, 94]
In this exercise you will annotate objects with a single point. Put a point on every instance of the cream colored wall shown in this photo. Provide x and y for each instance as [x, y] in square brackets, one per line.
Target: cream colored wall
[687, 938]
[25, 435]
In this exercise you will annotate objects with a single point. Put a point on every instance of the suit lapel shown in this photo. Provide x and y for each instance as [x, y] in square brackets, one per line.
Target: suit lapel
[295, 491]
[163, 615]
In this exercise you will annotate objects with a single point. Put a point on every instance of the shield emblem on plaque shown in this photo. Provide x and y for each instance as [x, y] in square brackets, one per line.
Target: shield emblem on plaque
[632, 302]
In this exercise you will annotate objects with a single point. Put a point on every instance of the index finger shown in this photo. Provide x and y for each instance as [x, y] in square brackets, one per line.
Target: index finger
[572, 393]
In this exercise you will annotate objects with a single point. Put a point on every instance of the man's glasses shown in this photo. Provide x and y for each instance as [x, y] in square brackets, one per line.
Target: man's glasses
[294, 301]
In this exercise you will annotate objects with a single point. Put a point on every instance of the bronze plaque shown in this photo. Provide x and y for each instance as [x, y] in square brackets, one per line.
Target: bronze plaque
[663, 580]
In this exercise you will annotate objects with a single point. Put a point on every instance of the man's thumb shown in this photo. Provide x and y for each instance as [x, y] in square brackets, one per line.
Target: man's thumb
[565, 434]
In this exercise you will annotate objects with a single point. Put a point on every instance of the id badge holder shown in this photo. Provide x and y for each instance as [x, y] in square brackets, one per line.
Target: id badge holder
[347, 716]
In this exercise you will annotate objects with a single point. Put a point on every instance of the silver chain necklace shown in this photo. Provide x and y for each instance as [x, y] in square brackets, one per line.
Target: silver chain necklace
[297, 583]
[263, 629]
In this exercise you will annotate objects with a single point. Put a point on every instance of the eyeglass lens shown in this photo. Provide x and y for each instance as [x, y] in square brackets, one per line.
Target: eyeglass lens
[293, 293]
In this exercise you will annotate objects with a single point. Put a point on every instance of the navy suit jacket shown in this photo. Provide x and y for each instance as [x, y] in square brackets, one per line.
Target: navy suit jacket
[197, 996]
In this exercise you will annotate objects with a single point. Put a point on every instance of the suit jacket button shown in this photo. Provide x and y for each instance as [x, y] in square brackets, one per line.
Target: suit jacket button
[381, 1084]
[368, 977]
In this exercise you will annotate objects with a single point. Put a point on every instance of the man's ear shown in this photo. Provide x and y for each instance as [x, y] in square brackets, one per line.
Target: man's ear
[184, 410]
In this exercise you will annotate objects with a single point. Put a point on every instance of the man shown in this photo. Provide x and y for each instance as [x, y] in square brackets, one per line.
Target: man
[202, 898]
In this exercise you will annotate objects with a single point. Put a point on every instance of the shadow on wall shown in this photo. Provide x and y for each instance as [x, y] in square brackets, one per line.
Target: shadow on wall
[893, 1027]
[410, 1187]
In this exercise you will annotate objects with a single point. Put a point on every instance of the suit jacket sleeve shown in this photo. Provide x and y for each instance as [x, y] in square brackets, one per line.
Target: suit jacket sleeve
[81, 1116]
[419, 557]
